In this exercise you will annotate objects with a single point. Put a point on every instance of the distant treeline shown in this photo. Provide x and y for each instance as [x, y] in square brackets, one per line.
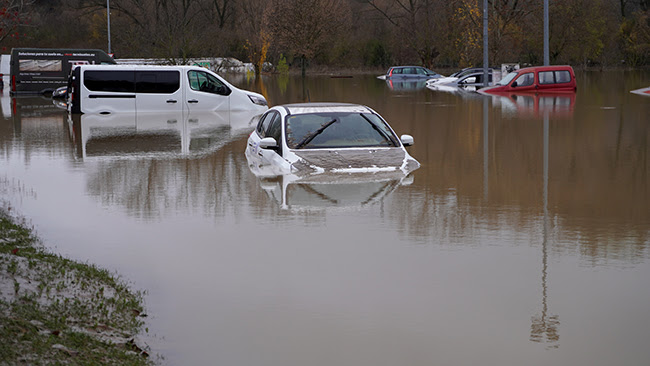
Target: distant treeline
[338, 33]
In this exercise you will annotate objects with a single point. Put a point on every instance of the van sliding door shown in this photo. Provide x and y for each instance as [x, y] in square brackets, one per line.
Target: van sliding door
[158, 91]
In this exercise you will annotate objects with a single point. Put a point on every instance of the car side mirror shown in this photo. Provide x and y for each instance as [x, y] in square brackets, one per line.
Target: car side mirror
[268, 143]
[407, 140]
[514, 84]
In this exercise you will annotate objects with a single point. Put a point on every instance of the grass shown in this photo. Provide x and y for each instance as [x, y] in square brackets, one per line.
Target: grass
[55, 311]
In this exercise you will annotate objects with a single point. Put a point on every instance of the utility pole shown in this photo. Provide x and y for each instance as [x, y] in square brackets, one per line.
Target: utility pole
[486, 61]
[547, 60]
[108, 20]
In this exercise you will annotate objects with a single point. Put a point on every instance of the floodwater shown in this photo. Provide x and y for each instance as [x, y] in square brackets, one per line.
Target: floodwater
[523, 239]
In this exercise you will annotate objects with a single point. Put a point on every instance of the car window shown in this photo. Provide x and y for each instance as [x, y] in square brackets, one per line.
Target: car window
[205, 82]
[562, 76]
[468, 80]
[263, 124]
[421, 71]
[110, 81]
[554, 77]
[546, 77]
[526, 79]
[275, 128]
[337, 130]
[397, 70]
[409, 70]
[157, 82]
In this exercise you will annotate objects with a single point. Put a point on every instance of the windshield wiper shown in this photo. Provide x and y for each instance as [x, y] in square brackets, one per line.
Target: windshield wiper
[383, 133]
[313, 135]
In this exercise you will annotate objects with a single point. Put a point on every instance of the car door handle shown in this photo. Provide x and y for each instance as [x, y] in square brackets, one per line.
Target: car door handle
[171, 100]
[192, 101]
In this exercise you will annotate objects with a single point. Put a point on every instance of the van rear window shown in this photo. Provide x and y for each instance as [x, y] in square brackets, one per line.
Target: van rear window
[110, 81]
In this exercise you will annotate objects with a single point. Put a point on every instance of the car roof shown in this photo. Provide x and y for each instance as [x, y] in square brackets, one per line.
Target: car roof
[545, 68]
[400, 67]
[307, 108]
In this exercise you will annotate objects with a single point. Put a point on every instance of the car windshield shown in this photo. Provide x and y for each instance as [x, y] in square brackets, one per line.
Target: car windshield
[430, 72]
[507, 79]
[337, 130]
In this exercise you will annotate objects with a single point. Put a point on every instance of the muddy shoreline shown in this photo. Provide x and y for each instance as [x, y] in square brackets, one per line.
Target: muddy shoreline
[57, 311]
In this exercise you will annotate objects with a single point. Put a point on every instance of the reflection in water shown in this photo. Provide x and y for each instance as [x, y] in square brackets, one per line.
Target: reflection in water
[406, 85]
[545, 326]
[556, 105]
[331, 190]
[385, 271]
[149, 134]
[154, 165]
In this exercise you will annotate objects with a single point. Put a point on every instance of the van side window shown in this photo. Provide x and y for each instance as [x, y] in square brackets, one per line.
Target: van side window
[159, 82]
[110, 81]
[562, 76]
[546, 77]
[204, 82]
[554, 77]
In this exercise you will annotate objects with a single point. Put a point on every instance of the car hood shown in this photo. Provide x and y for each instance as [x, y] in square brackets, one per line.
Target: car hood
[354, 160]
[442, 80]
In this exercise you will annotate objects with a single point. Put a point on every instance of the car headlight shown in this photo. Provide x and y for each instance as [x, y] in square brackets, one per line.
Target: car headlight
[257, 100]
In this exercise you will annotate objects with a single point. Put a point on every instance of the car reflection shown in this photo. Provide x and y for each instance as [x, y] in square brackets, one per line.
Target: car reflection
[406, 85]
[329, 190]
[23, 107]
[536, 105]
[156, 135]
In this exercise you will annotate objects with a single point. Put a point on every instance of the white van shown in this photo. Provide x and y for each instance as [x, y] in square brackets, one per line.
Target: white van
[107, 89]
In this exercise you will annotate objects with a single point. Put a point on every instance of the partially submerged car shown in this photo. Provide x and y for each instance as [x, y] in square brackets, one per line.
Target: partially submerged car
[315, 138]
[536, 79]
[410, 72]
[458, 75]
[469, 82]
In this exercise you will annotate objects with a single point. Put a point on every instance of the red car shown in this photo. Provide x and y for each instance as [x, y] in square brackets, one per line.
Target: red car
[536, 79]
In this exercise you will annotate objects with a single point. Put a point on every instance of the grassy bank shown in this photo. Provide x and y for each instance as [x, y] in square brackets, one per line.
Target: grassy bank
[57, 311]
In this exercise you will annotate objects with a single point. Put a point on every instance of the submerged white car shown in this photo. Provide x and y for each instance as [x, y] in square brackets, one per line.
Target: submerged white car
[314, 138]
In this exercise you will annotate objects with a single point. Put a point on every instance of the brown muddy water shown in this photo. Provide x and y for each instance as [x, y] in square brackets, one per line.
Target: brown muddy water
[523, 239]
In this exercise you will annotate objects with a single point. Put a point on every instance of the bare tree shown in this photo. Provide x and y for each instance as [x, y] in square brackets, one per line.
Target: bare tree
[414, 21]
[255, 31]
[305, 27]
[13, 14]
[161, 28]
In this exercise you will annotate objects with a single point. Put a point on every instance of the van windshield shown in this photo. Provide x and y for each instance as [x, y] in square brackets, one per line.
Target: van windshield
[507, 79]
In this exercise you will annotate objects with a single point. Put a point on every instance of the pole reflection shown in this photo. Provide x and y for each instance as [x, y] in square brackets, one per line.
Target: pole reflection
[544, 328]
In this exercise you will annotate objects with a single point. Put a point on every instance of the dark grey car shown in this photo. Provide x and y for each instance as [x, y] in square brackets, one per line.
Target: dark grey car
[411, 72]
